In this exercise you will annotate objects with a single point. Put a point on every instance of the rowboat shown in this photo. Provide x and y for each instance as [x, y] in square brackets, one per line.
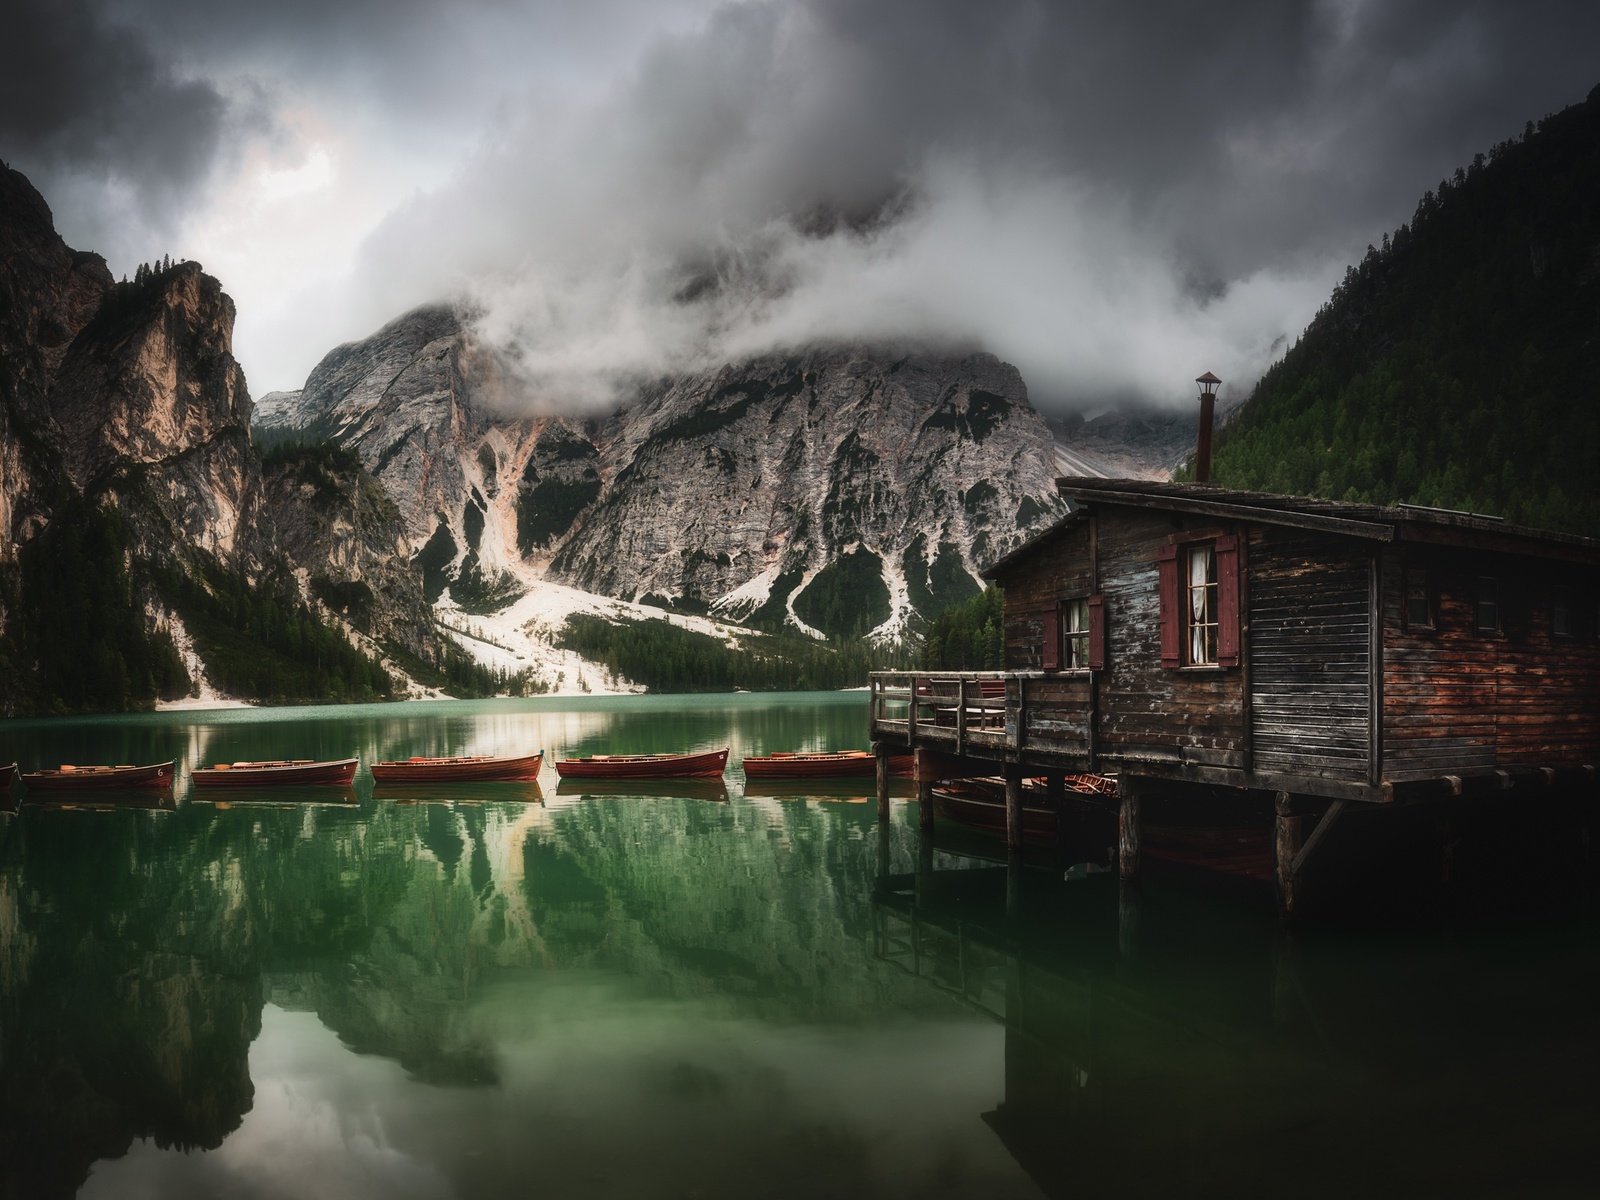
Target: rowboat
[845, 764]
[981, 804]
[71, 778]
[8, 776]
[274, 774]
[477, 768]
[645, 766]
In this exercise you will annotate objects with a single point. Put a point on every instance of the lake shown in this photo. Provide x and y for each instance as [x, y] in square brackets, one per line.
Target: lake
[698, 992]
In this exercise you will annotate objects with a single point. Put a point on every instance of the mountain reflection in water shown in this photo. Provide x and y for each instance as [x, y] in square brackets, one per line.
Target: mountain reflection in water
[523, 991]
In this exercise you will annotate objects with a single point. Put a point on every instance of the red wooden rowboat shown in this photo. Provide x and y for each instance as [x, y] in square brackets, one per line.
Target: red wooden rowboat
[69, 778]
[845, 764]
[477, 768]
[645, 766]
[272, 774]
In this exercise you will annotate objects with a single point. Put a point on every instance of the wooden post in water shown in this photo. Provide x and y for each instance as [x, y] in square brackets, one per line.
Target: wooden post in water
[1014, 808]
[1128, 830]
[1013, 885]
[1127, 918]
[880, 753]
[1286, 846]
[925, 774]
[1056, 791]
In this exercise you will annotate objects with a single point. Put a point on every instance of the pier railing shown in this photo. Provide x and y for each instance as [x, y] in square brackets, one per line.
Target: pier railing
[983, 712]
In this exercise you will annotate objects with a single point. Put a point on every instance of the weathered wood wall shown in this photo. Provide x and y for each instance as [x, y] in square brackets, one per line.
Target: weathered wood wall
[1310, 610]
[1456, 699]
[1143, 711]
[1058, 570]
[1453, 700]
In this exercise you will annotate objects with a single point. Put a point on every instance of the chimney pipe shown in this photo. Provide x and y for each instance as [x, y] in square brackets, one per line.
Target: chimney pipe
[1208, 399]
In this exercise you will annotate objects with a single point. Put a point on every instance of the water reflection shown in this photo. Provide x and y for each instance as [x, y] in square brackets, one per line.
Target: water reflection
[1168, 1043]
[644, 789]
[496, 989]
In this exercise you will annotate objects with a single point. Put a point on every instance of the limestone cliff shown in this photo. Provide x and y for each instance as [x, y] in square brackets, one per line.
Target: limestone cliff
[772, 488]
[131, 495]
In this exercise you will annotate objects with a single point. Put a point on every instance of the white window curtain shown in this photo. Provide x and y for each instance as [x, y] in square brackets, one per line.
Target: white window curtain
[1199, 574]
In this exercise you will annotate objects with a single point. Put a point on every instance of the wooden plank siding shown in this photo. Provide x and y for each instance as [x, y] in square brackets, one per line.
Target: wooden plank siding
[1310, 658]
[1143, 711]
[1060, 570]
[1457, 699]
[1334, 694]
[1147, 711]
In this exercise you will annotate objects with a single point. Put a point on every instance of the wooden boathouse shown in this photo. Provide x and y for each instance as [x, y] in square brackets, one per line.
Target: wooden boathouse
[1316, 654]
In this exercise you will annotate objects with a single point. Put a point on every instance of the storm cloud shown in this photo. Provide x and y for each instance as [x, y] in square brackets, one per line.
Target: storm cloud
[1113, 197]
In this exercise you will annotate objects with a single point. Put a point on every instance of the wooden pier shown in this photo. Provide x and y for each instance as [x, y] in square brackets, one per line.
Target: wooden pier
[1310, 657]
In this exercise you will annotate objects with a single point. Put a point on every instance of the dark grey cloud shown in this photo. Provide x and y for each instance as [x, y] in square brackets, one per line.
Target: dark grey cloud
[1109, 194]
[100, 118]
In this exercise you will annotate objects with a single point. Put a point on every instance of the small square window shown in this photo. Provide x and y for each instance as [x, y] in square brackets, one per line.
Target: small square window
[1488, 604]
[1200, 611]
[1419, 599]
[1561, 613]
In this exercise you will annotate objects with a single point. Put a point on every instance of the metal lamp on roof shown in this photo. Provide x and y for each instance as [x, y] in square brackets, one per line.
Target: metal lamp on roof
[1208, 400]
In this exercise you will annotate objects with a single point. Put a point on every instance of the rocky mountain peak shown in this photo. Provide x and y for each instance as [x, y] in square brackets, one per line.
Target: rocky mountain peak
[151, 377]
[736, 488]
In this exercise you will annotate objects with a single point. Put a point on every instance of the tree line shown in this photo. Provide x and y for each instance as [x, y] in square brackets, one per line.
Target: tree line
[668, 658]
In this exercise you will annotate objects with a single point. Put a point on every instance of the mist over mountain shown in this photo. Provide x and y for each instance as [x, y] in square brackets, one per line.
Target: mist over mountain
[841, 490]
[1112, 198]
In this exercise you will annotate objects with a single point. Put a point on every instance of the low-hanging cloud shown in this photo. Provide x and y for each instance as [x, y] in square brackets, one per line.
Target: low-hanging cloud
[955, 175]
[105, 122]
[1113, 197]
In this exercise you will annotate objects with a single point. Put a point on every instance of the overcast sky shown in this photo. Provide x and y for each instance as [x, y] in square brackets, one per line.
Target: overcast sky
[1115, 196]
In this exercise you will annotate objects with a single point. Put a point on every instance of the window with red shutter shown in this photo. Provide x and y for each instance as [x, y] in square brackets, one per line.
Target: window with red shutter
[1200, 603]
[1097, 633]
[1171, 623]
[1228, 601]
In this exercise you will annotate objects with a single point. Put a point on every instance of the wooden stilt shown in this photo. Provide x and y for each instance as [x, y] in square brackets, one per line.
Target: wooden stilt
[1128, 830]
[1014, 808]
[924, 878]
[1014, 884]
[1286, 843]
[1127, 919]
[1056, 792]
[925, 776]
[881, 753]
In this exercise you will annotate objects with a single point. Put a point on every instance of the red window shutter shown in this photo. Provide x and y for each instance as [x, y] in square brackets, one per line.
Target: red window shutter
[1052, 640]
[1167, 572]
[1097, 633]
[1228, 601]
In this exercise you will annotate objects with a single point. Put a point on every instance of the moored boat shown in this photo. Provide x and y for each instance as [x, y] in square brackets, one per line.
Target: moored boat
[843, 764]
[475, 768]
[273, 774]
[707, 765]
[981, 804]
[74, 778]
[8, 776]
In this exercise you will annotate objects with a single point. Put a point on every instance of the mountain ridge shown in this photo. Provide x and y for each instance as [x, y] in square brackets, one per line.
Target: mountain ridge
[1453, 366]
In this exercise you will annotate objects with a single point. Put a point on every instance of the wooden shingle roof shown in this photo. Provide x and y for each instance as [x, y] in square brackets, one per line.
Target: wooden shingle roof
[1372, 522]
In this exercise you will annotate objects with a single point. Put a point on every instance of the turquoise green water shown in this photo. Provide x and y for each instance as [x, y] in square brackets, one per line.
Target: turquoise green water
[517, 991]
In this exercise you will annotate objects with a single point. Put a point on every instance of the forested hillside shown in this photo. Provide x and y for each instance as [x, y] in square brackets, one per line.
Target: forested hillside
[1456, 365]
